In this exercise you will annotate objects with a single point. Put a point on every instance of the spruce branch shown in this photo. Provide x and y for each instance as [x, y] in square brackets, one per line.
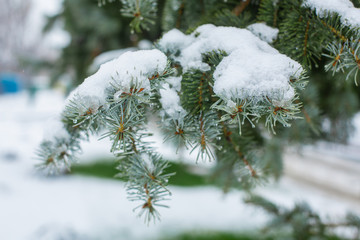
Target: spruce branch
[345, 58]
[205, 136]
[229, 87]
[225, 17]
[237, 112]
[269, 12]
[344, 49]
[58, 154]
[179, 131]
[301, 28]
[195, 110]
[84, 117]
[302, 221]
[281, 114]
[143, 13]
[122, 129]
[334, 25]
[147, 181]
[244, 159]
[237, 165]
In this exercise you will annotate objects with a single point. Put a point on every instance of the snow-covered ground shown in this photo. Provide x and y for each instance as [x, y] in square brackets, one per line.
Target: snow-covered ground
[74, 207]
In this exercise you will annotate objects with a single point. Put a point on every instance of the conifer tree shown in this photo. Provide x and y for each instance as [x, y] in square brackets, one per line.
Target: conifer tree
[234, 81]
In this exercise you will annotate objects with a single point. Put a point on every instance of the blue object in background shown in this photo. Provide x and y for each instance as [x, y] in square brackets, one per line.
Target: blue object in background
[9, 83]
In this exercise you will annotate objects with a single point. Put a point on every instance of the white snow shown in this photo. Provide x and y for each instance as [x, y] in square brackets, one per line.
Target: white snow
[252, 70]
[264, 32]
[355, 138]
[112, 54]
[170, 102]
[350, 15]
[131, 68]
[175, 39]
[108, 56]
[175, 82]
[74, 207]
[240, 78]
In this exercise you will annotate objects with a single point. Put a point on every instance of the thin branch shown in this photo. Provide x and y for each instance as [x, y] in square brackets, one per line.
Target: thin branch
[334, 31]
[203, 142]
[241, 7]
[180, 13]
[275, 17]
[228, 138]
[306, 36]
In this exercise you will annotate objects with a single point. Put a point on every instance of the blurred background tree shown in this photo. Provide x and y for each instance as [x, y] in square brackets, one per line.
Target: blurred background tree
[13, 16]
[94, 28]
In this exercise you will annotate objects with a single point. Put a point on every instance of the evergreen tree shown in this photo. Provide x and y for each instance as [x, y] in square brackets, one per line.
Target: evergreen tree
[227, 80]
[93, 30]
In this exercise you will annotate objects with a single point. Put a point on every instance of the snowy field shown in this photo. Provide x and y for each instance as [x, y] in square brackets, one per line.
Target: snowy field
[74, 207]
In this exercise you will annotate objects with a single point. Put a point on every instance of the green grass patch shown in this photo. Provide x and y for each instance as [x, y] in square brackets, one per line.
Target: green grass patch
[247, 235]
[217, 236]
[105, 168]
[184, 177]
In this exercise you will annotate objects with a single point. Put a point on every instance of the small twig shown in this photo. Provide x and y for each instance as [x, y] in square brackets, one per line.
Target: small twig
[133, 145]
[336, 32]
[180, 13]
[306, 36]
[275, 17]
[203, 141]
[236, 148]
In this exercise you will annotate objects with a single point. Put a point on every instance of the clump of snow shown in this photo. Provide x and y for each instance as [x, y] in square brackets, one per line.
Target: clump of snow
[350, 15]
[108, 56]
[175, 40]
[131, 68]
[175, 82]
[209, 38]
[170, 102]
[253, 69]
[238, 77]
[170, 99]
[264, 32]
